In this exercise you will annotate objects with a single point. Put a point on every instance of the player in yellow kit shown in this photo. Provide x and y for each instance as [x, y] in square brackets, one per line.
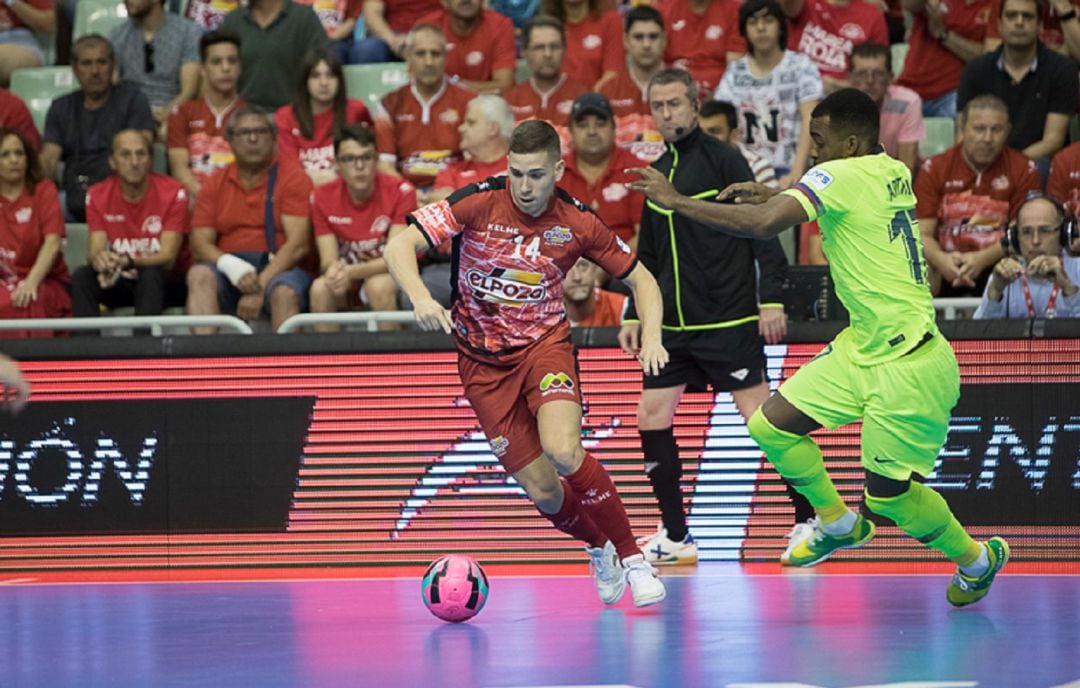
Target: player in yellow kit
[890, 367]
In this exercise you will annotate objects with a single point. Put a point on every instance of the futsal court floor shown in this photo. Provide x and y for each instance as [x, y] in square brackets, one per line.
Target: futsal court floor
[722, 625]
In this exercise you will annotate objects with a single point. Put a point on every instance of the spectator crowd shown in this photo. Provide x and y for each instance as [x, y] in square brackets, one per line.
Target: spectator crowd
[276, 188]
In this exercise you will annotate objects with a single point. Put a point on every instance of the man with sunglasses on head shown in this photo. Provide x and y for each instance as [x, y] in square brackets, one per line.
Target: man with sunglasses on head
[1038, 278]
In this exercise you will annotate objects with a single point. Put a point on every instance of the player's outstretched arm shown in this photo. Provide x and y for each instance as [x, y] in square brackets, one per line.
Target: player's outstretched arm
[770, 214]
[14, 390]
[400, 255]
[650, 307]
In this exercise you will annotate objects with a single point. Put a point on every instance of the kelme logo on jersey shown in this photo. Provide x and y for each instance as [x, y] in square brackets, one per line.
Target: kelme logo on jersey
[499, 445]
[817, 178]
[510, 287]
[558, 235]
[554, 383]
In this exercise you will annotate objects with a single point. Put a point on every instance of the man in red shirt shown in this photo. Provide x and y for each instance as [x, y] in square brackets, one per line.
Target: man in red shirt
[251, 229]
[966, 197]
[416, 126]
[644, 41]
[827, 30]
[944, 36]
[15, 115]
[549, 92]
[703, 38]
[353, 216]
[196, 140]
[587, 305]
[596, 168]
[137, 220]
[515, 238]
[480, 47]
[1063, 184]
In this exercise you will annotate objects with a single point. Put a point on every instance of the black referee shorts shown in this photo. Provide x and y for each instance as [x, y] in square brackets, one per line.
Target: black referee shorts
[727, 359]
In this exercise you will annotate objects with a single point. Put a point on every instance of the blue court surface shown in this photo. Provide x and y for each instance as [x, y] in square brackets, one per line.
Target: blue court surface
[719, 627]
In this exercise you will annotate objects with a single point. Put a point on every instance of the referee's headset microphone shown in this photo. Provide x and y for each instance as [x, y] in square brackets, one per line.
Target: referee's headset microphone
[1068, 230]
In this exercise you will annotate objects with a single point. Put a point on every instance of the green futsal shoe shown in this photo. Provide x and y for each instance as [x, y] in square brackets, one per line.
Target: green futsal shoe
[817, 545]
[964, 590]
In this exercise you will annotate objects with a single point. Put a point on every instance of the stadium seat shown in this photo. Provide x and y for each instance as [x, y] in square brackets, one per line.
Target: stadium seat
[97, 16]
[370, 82]
[899, 53]
[39, 86]
[161, 158]
[76, 245]
[940, 136]
[522, 72]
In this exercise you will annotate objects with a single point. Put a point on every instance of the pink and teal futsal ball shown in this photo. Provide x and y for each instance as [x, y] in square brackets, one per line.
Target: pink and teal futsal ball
[455, 588]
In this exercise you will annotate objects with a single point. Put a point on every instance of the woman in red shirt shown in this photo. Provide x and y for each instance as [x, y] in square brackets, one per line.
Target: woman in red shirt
[33, 277]
[594, 35]
[308, 127]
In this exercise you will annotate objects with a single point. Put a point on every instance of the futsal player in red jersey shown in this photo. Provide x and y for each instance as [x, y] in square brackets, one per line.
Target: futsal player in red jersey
[514, 239]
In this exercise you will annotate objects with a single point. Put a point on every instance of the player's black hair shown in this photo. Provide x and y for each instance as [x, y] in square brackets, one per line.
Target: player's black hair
[534, 136]
[850, 111]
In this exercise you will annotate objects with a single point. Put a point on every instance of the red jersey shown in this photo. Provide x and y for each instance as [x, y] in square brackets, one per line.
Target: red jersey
[402, 15]
[421, 137]
[465, 172]
[332, 13]
[594, 46]
[608, 311]
[619, 207]
[134, 229]
[1051, 33]
[9, 20]
[24, 224]
[972, 208]
[510, 266]
[489, 46]
[699, 43]
[1063, 184]
[634, 127]
[361, 228]
[237, 213]
[932, 70]
[15, 115]
[200, 129]
[827, 33]
[316, 153]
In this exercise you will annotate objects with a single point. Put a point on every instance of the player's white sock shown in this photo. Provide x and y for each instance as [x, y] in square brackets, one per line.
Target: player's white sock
[980, 565]
[842, 526]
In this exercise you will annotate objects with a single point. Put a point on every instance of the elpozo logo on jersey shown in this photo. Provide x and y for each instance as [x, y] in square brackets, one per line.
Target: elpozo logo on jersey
[558, 235]
[556, 383]
[508, 287]
[817, 178]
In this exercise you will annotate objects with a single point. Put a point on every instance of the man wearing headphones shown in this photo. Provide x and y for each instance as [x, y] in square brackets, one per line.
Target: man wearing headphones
[1036, 278]
[718, 313]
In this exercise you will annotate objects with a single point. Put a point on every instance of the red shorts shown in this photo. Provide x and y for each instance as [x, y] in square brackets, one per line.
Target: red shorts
[507, 395]
[53, 301]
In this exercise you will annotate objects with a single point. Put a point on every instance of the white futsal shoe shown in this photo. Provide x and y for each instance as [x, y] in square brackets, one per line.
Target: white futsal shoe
[645, 584]
[604, 566]
[801, 531]
[662, 551]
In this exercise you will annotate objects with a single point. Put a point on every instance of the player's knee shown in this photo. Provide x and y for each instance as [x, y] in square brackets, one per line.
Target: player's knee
[653, 412]
[547, 495]
[768, 436]
[567, 455]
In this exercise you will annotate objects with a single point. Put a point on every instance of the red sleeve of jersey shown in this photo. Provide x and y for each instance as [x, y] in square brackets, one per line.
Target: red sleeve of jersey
[504, 52]
[1057, 184]
[928, 187]
[95, 222]
[294, 190]
[605, 248]
[404, 204]
[318, 202]
[47, 207]
[614, 59]
[1027, 179]
[288, 148]
[437, 222]
[206, 202]
[177, 129]
[357, 113]
[175, 218]
[385, 141]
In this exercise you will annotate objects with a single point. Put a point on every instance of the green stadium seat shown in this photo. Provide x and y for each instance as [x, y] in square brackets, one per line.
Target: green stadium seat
[39, 86]
[370, 82]
[76, 245]
[97, 16]
[899, 53]
[161, 159]
[522, 72]
[940, 135]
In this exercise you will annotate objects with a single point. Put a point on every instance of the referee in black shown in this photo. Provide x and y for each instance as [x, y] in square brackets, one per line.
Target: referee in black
[722, 303]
